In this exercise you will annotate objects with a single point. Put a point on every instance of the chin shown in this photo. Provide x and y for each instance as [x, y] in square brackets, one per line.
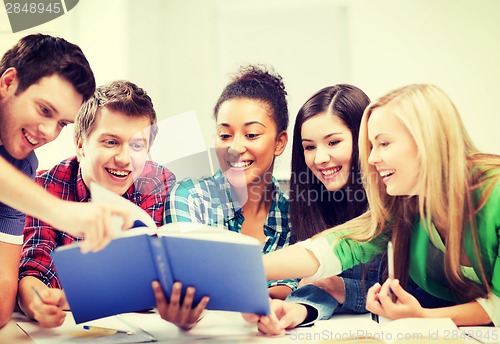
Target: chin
[117, 190]
[394, 194]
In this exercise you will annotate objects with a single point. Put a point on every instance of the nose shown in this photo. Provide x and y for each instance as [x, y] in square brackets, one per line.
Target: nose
[321, 156]
[237, 146]
[49, 130]
[122, 157]
[233, 153]
[373, 158]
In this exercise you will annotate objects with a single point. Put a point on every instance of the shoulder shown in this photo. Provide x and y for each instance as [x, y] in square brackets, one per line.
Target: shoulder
[487, 217]
[31, 163]
[60, 173]
[155, 175]
[488, 191]
[27, 165]
[491, 201]
[154, 169]
[196, 187]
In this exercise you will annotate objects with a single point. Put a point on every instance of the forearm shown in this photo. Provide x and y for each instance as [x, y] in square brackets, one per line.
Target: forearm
[8, 290]
[279, 292]
[468, 314]
[9, 263]
[293, 261]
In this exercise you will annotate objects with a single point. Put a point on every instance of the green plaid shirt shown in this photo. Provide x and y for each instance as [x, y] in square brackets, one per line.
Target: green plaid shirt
[208, 200]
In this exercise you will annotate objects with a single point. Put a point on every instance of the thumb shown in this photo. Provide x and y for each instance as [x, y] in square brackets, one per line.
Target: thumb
[398, 290]
[293, 317]
[49, 296]
[57, 296]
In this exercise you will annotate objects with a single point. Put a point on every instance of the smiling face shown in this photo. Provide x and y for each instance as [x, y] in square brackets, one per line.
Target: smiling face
[114, 153]
[247, 140]
[394, 152]
[37, 115]
[327, 144]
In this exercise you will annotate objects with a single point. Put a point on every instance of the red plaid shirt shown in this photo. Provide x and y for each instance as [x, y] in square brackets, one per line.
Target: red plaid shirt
[65, 181]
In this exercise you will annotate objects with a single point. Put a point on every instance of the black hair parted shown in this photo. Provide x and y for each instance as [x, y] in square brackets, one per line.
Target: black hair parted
[260, 83]
[312, 207]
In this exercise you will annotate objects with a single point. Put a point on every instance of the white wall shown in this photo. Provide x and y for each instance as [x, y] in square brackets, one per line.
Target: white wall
[182, 51]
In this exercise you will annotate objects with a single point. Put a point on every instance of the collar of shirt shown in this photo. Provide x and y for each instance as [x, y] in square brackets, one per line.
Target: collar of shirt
[233, 212]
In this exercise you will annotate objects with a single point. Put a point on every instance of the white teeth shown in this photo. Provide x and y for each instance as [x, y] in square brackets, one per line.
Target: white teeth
[30, 138]
[329, 172]
[386, 173]
[118, 173]
[240, 164]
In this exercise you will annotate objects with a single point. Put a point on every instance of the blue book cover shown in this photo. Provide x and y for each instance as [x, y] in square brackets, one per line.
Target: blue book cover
[114, 280]
[224, 265]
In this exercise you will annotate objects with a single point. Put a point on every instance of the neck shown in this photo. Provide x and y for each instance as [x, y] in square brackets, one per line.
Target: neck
[260, 197]
[253, 196]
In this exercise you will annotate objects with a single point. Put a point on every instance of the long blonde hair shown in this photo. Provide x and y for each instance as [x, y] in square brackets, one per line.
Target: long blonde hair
[451, 168]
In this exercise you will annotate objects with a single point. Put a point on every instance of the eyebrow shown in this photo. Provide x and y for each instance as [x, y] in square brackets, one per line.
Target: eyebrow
[116, 136]
[378, 135]
[246, 124]
[48, 104]
[324, 137]
[52, 108]
[109, 134]
[135, 139]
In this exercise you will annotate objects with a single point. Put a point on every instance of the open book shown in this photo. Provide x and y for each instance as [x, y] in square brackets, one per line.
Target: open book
[224, 265]
[348, 328]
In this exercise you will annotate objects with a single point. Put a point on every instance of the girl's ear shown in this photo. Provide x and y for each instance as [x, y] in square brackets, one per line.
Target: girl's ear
[281, 142]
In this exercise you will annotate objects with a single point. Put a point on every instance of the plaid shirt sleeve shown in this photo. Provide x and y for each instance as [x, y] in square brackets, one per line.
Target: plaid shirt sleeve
[40, 240]
[12, 220]
[182, 205]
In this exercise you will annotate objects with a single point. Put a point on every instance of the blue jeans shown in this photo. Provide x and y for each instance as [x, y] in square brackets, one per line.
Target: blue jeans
[357, 281]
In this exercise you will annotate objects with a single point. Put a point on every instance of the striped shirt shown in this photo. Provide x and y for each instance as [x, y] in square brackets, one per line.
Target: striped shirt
[208, 200]
[12, 220]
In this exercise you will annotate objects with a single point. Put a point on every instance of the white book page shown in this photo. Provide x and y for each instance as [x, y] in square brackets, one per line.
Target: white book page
[201, 231]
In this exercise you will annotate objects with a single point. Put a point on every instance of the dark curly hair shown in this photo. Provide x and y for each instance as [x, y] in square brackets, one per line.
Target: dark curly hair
[260, 83]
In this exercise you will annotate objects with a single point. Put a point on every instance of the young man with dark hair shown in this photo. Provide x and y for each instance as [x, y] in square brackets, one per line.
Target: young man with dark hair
[43, 82]
[113, 133]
